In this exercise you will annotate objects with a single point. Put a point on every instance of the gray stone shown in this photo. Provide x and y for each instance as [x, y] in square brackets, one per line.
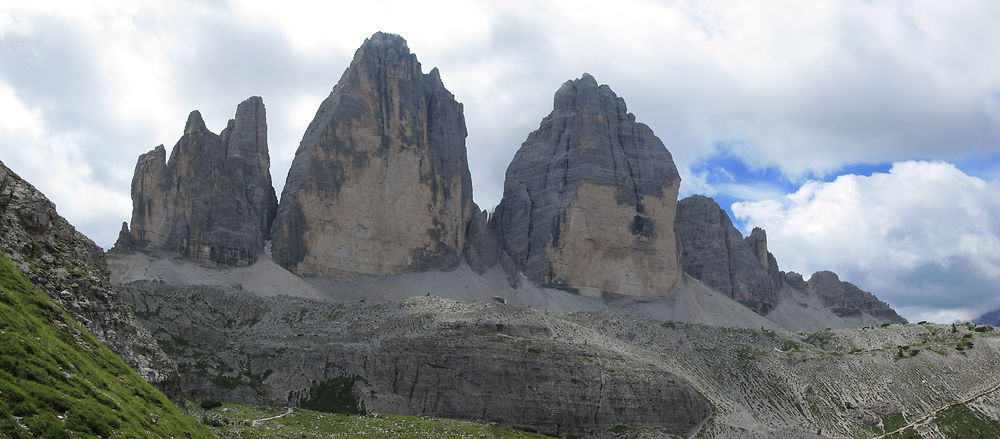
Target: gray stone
[125, 242]
[715, 252]
[481, 248]
[589, 199]
[380, 183]
[846, 300]
[213, 200]
[71, 269]
[423, 356]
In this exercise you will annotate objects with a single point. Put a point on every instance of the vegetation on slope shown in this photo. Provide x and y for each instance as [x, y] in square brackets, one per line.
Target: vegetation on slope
[58, 381]
[228, 421]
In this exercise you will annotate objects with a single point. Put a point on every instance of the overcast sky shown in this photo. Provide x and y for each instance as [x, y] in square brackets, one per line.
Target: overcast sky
[863, 136]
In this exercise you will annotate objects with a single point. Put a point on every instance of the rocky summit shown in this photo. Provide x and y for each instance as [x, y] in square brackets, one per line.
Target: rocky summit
[213, 200]
[716, 253]
[843, 298]
[380, 183]
[589, 199]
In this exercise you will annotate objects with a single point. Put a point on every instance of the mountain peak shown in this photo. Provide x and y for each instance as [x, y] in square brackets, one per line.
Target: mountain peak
[194, 123]
[589, 199]
[380, 183]
[385, 39]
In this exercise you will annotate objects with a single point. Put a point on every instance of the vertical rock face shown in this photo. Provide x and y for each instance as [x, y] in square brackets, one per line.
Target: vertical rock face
[714, 252]
[589, 199]
[844, 298]
[380, 183]
[71, 269]
[213, 200]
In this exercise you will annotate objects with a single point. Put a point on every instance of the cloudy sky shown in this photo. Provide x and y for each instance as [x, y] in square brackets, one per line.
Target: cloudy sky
[864, 136]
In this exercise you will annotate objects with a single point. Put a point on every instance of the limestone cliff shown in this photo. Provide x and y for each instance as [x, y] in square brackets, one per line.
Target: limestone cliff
[716, 253]
[843, 298]
[213, 200]
[70, 268]
[380, 183]
[422, 356]
[589, 199]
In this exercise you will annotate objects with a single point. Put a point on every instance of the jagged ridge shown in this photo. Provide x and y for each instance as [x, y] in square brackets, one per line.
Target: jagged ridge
[213, 200]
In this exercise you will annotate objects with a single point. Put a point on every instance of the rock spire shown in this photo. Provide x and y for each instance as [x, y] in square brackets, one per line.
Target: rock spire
[590, 197]
[212, 201]
[380, 183]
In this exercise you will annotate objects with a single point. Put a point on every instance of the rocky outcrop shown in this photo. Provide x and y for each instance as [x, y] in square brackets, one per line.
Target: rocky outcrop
[843, 298]
[581, 374]
[420, 356]
[716, 253]
[380, 183]
[71, 269]
[589, 199]
[213, 200]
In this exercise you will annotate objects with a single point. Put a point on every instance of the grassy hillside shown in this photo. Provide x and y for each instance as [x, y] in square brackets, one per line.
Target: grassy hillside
[228, 421]
[58, 381]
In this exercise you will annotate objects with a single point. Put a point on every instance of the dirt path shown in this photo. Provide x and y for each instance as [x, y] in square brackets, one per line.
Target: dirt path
[939, 410]
[256, 422]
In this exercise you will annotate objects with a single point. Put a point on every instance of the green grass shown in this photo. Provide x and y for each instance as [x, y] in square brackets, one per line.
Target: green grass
[960, 421]
[307, 424]
[58, 381]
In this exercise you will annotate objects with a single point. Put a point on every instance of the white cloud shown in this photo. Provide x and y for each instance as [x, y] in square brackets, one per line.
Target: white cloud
[920, 314]
[28, 141]
[925, 234]
[802, 87]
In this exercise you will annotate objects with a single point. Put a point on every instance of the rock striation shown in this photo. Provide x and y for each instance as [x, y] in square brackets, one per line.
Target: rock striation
[580, 374]
[421, 356]
[843, 298]
[589, 199]
[716, 253]
[213, 200]
[71, 269]
[380, 183]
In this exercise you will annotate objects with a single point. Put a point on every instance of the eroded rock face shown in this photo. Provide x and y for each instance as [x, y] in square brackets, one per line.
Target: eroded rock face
[421, 356]
[716, 253]
[71, 269]
[380, 183]
[844, 298]
[589, 199]
[213, 200]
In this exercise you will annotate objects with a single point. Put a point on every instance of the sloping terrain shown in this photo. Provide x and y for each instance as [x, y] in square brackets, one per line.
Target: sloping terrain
[586, 373]
[71, 269]
[228, 420]
[58, 381]
[421, 356]
[693, 302]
